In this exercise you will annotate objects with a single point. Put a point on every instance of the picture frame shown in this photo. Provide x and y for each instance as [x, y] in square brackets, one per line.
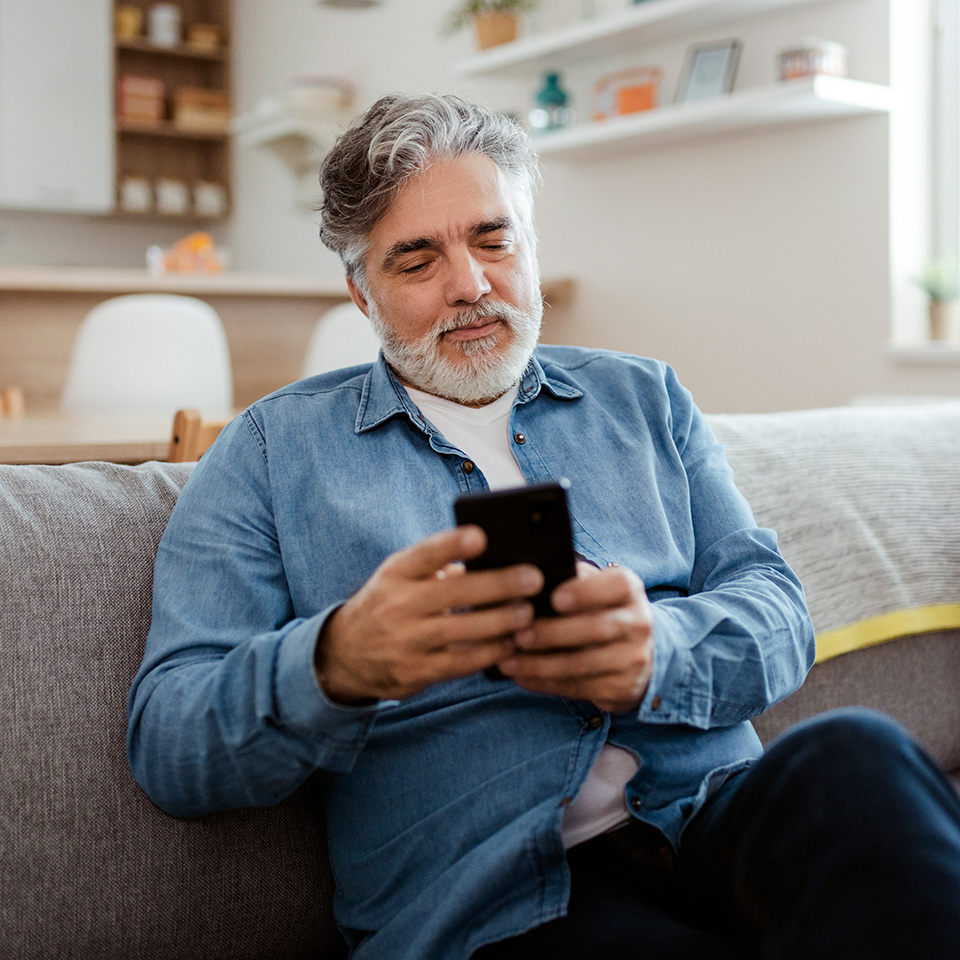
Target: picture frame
[709, 70]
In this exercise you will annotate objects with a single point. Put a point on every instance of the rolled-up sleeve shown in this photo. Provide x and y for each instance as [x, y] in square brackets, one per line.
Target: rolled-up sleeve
[741, 640]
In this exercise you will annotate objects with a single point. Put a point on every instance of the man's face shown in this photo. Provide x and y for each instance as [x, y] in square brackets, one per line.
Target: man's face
[453, 288]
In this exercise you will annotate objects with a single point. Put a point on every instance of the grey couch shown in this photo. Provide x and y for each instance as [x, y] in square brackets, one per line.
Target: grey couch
[866, 503]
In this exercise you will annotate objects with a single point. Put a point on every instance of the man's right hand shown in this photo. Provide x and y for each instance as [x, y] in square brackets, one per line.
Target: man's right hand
[422, 618]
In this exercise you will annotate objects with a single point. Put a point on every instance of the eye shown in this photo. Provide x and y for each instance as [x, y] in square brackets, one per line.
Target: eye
[497, 246]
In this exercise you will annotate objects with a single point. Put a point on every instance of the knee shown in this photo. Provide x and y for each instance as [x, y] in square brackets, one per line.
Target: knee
[847, 740]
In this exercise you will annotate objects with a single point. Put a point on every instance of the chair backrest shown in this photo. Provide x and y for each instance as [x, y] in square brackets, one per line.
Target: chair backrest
[191, 435]
[342, 337]
[11, 402]
[150, 354]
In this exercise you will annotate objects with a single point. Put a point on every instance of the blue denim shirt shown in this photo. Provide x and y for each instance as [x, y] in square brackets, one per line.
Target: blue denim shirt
[444, 809]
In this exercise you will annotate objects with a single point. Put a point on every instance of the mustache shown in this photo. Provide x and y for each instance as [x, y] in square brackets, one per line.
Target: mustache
[484, 310]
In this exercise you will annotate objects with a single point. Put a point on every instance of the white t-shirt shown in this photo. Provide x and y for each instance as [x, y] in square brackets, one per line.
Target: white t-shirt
[482, 433]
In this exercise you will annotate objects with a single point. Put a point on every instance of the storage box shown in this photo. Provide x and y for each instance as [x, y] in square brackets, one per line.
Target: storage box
[201, 111]
[813, 56]
[626, 91]
[173, 197]
[127, 22]
[140, 99]
[209, 199]
[206, 36]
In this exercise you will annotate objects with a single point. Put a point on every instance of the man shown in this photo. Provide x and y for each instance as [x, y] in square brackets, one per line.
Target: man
[608, 796]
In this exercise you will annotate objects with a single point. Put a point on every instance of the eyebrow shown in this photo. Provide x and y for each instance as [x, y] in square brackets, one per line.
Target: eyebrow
[403, 247]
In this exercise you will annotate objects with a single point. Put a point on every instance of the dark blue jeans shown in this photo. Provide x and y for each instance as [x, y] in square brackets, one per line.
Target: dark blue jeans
[842, 841]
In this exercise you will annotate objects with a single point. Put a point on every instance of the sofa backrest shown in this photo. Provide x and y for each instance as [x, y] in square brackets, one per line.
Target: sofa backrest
[866, 503]
[90, 867]
[860, 498]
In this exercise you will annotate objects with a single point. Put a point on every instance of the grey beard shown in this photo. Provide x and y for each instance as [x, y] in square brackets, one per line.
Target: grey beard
[486, 376]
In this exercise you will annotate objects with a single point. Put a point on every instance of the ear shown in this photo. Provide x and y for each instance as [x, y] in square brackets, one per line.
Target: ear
[358, 298]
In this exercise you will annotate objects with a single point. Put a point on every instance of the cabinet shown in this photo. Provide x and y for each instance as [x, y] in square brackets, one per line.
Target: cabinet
[658, 21]
[176, 162]
[56, 105]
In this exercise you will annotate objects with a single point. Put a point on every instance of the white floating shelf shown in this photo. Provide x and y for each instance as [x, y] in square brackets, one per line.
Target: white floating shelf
[796, 101]
[299, 141]
[274, 123]
[648, 23]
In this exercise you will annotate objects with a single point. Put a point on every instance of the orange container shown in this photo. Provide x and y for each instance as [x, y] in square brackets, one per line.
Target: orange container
[626, 91]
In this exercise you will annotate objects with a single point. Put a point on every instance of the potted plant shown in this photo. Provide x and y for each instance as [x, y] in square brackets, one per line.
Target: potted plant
[495, 21]
[940, 280]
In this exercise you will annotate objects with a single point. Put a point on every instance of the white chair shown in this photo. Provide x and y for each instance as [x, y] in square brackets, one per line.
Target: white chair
[150, 354]
[342, 337]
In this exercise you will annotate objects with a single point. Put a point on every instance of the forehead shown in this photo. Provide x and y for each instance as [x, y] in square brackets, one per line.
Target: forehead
[447, 200]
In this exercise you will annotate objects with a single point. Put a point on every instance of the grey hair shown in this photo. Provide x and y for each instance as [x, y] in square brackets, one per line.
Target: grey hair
[400, 137]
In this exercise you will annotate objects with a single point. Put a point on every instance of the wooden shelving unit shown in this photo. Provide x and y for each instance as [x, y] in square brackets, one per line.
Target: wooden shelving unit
[165, 151]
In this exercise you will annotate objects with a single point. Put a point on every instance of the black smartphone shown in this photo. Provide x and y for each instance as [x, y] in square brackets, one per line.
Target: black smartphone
[524, 525]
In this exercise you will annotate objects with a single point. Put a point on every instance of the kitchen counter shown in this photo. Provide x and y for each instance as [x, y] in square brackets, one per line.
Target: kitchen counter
[120, 280]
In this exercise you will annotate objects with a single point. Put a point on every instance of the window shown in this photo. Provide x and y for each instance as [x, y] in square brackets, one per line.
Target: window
[945, 224]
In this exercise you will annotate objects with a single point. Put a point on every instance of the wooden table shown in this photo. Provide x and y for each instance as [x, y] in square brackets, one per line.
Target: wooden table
[69, 438]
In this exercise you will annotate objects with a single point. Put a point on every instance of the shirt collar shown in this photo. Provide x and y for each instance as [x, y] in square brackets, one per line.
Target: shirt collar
[383, 396]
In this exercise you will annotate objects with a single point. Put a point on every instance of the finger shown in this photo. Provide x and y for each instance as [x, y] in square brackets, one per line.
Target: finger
[471, 658]
[613, 677]
[615, 586]
[581, 630]
[482, 588]
[436, 552]
[456, 569]
[459, 631]
[594, 661]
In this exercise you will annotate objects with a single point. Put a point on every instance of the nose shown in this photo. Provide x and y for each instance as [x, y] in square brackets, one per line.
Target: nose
[466, 280]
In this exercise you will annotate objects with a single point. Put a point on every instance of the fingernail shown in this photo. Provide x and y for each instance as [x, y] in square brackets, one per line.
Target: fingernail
[524, 639]
[562, 599]
[523, 615]
[531, 578]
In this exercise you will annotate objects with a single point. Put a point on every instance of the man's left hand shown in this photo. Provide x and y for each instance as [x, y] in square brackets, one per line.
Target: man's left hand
[599, 648]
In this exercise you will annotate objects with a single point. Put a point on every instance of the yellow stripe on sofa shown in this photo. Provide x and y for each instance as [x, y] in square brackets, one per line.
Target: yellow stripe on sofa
[887, 626]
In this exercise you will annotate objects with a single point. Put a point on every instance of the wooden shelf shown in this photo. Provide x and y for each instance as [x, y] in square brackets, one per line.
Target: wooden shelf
[651, 22]
[797, 101]
[167, 129]
[185, 50]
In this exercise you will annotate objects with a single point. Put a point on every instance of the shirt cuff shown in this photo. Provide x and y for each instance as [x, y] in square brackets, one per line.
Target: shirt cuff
[669, 697]
[305, 707]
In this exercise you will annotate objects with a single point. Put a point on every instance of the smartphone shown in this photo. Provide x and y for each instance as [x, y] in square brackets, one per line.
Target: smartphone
[524, 525]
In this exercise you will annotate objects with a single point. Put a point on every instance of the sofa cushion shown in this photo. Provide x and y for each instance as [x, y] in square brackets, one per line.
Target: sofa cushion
[91, 868]
[866, 503]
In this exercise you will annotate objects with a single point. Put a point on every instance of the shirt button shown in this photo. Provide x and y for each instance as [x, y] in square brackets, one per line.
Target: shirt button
[595, 722]
[655, 703]
[468, 466]
[520, 438]
[636, 804]
[613, 563]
